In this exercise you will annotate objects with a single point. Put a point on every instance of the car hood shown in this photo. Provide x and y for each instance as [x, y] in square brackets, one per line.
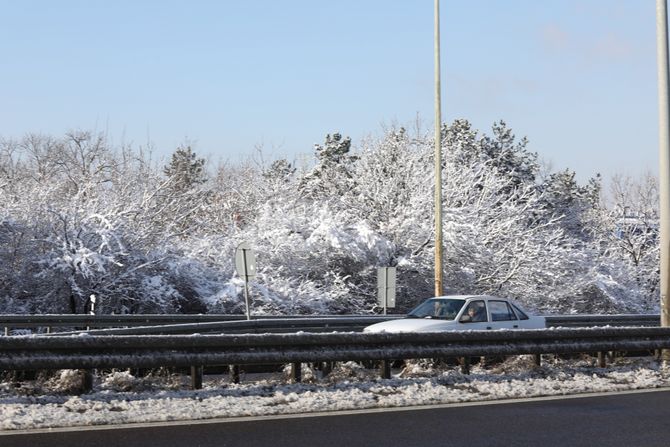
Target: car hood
[412, 325]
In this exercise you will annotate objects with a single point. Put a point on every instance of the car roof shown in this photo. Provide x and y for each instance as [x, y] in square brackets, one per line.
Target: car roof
[462, 297]
[468, 297]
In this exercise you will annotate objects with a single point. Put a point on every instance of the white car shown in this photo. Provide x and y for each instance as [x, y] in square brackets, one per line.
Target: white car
[460, 313]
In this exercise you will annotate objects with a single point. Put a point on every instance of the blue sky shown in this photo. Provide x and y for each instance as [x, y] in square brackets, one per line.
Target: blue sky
[578, 78]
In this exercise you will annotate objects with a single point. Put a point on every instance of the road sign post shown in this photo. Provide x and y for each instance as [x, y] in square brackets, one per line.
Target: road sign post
[92, 301]
[386, 287]
[245, 264]
[91, 309]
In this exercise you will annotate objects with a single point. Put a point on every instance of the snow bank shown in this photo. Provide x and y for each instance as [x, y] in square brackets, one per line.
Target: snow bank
[122, 398]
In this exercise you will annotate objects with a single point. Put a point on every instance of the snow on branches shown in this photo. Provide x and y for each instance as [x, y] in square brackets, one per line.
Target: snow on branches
[79, 217]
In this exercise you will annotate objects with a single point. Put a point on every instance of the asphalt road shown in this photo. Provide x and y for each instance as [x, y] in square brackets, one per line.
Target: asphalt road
[637, 419]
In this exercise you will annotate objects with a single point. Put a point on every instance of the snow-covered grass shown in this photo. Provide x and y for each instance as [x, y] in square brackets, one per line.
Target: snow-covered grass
[119, 397]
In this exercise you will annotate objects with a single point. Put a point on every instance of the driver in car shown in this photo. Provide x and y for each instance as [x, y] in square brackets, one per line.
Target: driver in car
[474, 313]
[438, 309]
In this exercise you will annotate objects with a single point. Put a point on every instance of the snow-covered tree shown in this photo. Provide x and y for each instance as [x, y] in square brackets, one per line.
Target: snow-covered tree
[332, 174]
[79, 217]
[185, 169]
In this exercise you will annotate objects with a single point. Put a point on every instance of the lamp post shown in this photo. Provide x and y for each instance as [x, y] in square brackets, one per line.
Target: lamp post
[438, 158]
[664, 159]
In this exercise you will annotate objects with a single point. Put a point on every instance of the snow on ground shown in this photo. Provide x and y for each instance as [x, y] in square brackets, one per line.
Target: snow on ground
[119, 397]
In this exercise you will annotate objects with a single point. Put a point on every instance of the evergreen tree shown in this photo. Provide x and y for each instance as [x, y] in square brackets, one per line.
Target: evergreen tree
[185, 169]
[280, 171]
[332, 174]
[575, 204]
[508, 156]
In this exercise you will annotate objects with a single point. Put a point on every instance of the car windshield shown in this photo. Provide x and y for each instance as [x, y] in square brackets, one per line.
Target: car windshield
[442, 308]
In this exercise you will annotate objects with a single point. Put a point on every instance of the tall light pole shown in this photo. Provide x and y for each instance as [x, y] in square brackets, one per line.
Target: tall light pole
[664, 158]
[438, 158]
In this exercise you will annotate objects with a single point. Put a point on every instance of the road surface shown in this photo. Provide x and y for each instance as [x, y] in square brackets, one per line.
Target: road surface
[612, 420]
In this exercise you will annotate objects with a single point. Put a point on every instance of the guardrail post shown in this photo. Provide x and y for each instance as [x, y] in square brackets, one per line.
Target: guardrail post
[538, 359]
[602, 359]
[465, 365]
[6, 331]
[196, 377]
[326, 368]
[234, 373]
[385, 369]
[296, 372]
[87, 380]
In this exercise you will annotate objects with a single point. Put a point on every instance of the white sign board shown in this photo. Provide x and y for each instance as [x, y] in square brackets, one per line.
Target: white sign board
[245, 261]
[245, 264]
[386, 287]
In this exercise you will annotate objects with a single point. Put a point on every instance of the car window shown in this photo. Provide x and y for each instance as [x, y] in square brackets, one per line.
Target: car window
[443, 308]
[520, 313]
[475, 312]
[501, 311]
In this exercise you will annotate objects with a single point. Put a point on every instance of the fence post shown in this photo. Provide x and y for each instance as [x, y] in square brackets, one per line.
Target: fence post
[87, 380]
[602, 359]
[385, 369]
[234, 373]
[296, 372]
[326, 368]
[196, 377]
[538, 359]
[612, 356]
[465, 365]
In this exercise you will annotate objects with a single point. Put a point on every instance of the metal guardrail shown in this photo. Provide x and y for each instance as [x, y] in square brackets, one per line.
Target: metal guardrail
[185, 324]
[141, 351]
[348, 324]
[129, 320]
[176, 324]
[603, 320]
[277, 325]
[307, 322]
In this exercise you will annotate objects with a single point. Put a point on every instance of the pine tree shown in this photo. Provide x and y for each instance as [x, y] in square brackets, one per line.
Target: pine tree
[332, 174]
[564, 197]
[185, 169]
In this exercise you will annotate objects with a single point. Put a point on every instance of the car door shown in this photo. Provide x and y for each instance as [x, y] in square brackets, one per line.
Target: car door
[502, 315]
[474, 316]
[526, 322]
